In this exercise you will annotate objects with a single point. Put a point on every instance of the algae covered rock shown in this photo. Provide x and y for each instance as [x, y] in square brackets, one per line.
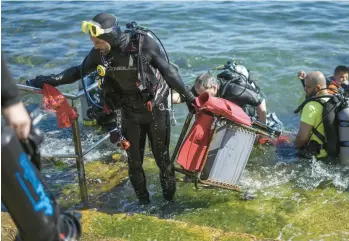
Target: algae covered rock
[143, 227]
[105, 227]
[8, 229]
[101, 177]
[278, 212]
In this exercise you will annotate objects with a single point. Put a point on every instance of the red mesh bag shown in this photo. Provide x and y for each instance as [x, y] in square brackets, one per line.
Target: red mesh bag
[54, 101]
[274, 142]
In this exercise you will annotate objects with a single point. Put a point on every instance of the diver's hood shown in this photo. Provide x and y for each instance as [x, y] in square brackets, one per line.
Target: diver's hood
[107, 20]
[113, 38]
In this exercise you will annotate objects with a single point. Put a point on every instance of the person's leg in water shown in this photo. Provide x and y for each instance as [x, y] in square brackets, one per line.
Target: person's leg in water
[159, 137]
[135, 133]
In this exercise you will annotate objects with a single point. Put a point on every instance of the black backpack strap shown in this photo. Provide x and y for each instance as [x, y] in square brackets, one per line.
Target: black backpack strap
[226, 84]
[321, 137]
[314, 130]
[145, 82]
[316, 98]
[141, 59]
[142, 84]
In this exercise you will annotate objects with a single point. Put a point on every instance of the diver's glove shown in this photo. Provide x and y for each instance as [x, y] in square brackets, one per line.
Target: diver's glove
[189, 100]
[40, 80]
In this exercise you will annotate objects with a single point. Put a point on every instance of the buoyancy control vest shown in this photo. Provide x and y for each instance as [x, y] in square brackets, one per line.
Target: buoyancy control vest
[134, 74]
[242, 79]
[239, 76]
[335, 117]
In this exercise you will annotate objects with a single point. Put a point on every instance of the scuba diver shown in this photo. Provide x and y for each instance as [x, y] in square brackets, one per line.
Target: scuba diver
[135, 75]
[236, 84]
[306, 139]
[324, 129]
[31, 206]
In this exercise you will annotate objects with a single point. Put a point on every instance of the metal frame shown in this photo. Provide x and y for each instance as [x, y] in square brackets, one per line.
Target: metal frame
[196, 174]
[256, 127]
[79, 154]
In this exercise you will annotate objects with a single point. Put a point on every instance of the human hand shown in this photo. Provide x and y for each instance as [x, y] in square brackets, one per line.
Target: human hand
[40, 80]
[18, 118]
[189, 100]
[302, 75]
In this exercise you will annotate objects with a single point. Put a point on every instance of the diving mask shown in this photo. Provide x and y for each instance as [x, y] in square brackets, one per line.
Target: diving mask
[94, 29]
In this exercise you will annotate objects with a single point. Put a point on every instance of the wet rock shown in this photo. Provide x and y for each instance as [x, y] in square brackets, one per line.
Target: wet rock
[101, 178]
[247, 196]
[206, 214]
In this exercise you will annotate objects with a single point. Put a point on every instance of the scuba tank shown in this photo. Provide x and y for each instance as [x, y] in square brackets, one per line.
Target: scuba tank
[89, 111]
[92, 104]
[343, 130]
[83, 99]
[25, 195]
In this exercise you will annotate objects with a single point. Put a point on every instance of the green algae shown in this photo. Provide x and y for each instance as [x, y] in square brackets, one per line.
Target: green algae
[301, 213]
[101, 177]
[101, 226]
[8, 230]
[60, 164]
[25, 60]
[141, 227]
[281, 212]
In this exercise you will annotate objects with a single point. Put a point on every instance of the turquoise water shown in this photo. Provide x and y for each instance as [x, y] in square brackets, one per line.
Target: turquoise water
[273, 39]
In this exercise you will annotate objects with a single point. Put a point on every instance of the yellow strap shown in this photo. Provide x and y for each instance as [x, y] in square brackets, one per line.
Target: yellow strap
[99, 83]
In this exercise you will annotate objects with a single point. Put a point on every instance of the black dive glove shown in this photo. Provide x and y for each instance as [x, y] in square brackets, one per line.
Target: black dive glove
[39, 81]
[189, 100]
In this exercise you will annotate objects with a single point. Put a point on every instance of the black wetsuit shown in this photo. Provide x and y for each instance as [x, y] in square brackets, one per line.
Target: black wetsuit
[24, 193]
[121, 91]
